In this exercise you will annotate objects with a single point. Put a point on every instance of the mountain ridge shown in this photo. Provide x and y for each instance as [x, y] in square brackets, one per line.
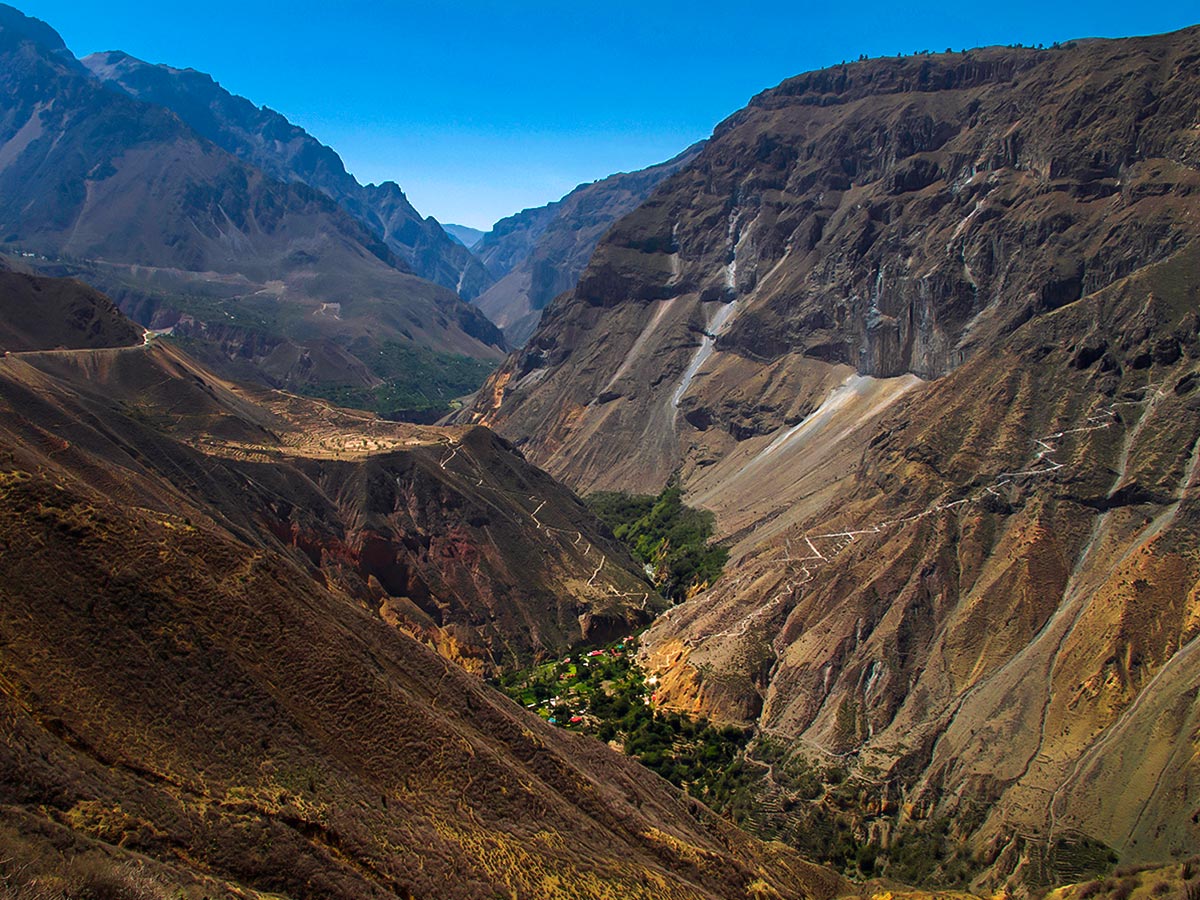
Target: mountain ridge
[267, 140]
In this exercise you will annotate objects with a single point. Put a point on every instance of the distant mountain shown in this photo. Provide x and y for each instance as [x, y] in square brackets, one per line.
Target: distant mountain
[276, 280]
[539, 253]
[464, 234]
[267, 140]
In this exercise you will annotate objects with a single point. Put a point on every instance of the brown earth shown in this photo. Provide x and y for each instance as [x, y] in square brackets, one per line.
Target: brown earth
[446, 532]
[43, 312]
[202, 688]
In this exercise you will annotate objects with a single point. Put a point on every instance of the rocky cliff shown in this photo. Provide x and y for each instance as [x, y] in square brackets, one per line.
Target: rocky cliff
[922, 333]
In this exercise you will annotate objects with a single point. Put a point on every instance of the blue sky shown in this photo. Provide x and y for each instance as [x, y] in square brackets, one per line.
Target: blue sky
[480, 108]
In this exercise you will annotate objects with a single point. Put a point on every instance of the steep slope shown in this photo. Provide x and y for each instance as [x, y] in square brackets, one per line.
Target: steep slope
[268, 141]
[445, 532]
[179, 685]
[181, 233]
[895, 215]
[36, 313]
[992, 616]
[923, 334]
[539, 253]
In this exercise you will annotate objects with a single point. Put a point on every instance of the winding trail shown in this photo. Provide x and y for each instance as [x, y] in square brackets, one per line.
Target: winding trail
[799, 571]
[570, 537]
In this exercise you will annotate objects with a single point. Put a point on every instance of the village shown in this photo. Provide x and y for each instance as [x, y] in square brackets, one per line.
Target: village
[603, 692]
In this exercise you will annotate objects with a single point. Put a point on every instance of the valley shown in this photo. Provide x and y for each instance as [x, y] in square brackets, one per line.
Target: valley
[813, 515]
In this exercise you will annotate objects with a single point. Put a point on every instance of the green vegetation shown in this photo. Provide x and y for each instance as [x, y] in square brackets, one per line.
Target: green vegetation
[604, 693]
[821, 811]
[419, 384]
[672, 539]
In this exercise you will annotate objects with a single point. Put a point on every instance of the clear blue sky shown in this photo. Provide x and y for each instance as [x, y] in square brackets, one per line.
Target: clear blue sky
[480, 108]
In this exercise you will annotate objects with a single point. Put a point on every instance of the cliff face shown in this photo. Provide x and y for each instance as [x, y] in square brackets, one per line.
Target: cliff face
[539, 253]
[923, 334]
[896, 216]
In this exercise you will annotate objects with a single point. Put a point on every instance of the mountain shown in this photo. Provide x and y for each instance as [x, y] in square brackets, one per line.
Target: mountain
[277, 280]
[464, 234]
[923, 334]
[268, 141]
[202, 691]
[539, 253]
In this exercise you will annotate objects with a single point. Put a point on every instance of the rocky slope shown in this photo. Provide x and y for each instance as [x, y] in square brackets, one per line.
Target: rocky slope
[195, 685]
[923, 334]
[268, 141]
[539, 253]
[180, 232]
[446, 533]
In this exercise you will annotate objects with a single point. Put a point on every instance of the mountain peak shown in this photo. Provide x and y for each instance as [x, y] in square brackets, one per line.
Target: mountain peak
[15, 22]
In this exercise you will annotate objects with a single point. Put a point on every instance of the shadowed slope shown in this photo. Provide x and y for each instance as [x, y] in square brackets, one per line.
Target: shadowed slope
[180, 679]
[37, 313]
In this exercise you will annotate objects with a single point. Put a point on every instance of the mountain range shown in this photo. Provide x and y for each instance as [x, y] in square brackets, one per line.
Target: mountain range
[919, 337]
[268, 141]
[270, 275]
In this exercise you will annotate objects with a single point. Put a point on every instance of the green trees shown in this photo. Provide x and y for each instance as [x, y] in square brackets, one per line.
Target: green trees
[667, 535]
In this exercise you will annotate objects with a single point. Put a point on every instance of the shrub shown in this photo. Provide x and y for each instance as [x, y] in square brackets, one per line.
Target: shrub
[96, 878]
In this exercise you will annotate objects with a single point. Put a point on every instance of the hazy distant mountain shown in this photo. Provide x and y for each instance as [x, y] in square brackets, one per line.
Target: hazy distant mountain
[278, 279]
[284, 151]
[539, 253]
[512, 239]
[464, 234]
